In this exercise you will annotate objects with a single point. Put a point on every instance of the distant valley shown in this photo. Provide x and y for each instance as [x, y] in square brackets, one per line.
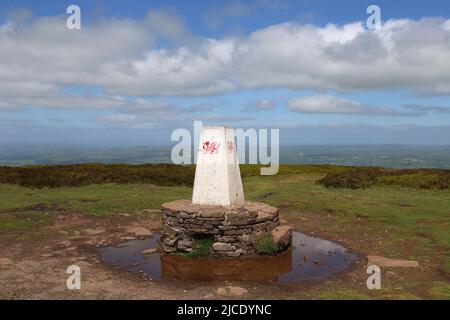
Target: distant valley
[390, 156]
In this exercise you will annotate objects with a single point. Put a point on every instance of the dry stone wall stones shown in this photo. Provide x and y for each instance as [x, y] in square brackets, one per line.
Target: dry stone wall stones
[235, 230]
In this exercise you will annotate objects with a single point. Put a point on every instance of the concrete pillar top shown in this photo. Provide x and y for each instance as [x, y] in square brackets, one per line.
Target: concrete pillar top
[217, 174]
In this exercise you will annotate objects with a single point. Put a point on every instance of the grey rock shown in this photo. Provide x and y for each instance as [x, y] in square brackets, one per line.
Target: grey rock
[222, 246]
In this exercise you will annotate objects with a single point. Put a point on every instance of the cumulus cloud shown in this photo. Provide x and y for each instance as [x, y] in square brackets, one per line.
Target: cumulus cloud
[38, 57]
[326, 104]
[205, 71]
[144, 113]
[41, 56]
[402, 54]
[66, 101]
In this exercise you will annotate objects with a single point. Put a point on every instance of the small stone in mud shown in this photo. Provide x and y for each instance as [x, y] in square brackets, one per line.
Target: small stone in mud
[5, 262]
[231, 291]
[124, 214]
[127, 238]
[93, 232]
[149, 251]
[151, 211]
[64, 244]
[386, 262]
[139, 231]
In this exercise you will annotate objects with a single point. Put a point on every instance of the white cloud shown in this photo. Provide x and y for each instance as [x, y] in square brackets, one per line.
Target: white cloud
[403, 54]
[446, 25]
[180, 72]
[40, 57]
[326, 104]
[345, 34]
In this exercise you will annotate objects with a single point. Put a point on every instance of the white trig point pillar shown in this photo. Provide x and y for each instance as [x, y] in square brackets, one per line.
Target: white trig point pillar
[217, 175]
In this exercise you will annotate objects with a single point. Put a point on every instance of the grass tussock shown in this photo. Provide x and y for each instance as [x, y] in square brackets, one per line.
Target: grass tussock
[266, 246]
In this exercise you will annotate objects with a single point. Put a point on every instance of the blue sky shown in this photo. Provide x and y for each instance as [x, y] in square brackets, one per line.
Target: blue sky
[139, 69]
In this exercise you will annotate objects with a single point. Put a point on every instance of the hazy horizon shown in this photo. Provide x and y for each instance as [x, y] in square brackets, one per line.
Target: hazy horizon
[392, 156]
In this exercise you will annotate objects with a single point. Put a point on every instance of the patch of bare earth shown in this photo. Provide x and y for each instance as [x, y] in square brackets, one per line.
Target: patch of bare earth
[399, 276]
[33, 266]
[33, 263]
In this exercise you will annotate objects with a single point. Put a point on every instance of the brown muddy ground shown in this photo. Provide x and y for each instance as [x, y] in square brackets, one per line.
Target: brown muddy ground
[33, 264]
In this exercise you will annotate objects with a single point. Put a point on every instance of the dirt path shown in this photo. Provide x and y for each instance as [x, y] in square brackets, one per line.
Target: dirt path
[33, 265]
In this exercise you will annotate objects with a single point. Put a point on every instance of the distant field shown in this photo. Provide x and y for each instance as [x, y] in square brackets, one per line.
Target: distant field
[389, 156]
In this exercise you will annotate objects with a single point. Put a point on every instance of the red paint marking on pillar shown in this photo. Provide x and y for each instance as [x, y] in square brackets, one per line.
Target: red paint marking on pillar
[210, 147]
[230, 146]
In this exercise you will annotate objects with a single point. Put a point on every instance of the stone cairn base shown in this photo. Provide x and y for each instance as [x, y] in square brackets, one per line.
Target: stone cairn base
[235, 230]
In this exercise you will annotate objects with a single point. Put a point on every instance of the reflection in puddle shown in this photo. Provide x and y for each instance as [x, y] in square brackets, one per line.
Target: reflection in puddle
[310, 258]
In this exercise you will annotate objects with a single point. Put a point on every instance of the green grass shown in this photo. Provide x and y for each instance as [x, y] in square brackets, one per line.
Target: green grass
[266, 246]
[440, 290]
[94, 199]
[403, 211]
[22, 220]
[13, 224]
[202, 248]
[394, 219]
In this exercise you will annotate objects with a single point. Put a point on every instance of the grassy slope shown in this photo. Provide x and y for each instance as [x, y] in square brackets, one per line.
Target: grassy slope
[391, 221]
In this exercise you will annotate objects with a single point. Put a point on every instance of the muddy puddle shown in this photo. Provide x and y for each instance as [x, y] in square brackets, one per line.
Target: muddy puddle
[310, 258]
